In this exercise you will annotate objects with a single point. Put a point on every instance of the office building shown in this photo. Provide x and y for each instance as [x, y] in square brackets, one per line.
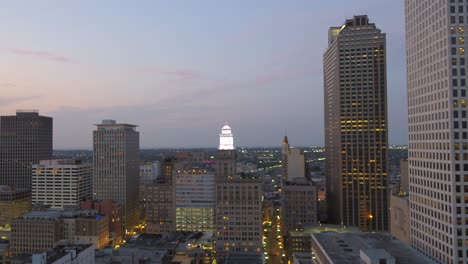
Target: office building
[60, 183]
[356, 125]
[62, 254]
[292, 162]
[438, 140]
[298, 205]
[149, 172]
[116, 168]
[238, 204]
[13, 203]
[160, 201]
[194, 196]
[25, 139]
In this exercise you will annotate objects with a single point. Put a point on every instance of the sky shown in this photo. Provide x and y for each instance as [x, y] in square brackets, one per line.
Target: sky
[181, 69]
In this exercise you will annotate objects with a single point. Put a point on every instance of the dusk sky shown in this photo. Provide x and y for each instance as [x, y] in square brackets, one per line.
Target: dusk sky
[180, 69]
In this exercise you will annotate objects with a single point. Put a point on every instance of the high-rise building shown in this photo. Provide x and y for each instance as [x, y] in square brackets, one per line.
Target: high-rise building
[194, 196]
[160, 200]
[25, 139]
[356, 125]
[238, 204]
[116, 168]
[60, 183]
[438, 133]
[226, 155]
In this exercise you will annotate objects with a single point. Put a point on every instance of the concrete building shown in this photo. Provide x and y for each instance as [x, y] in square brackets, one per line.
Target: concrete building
[25, 139]
[43, 229]
[292, 162]
[298, 205]
[113, 211]
[355, 87]
[400, 218]
[404, 179]
[60, 183]
[36, 231]
[238, 204]
[437, 146]
[149, 172]
[116, 168]
[62, 254]
[13, 203]
[194, 196]
[358, 247]
[160, 201]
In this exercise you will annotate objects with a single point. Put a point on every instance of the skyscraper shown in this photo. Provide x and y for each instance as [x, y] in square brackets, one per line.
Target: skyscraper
[25, 139]
[238, 204]
[356, 125]
[438, 141]
[116, 167]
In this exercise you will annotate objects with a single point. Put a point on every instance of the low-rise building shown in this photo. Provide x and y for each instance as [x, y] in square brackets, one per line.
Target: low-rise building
[360, 247]
[13, 203]
[113, 211]
[62, 254]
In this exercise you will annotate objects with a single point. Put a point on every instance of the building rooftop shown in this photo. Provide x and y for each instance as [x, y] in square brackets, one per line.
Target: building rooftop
[344, 248]
[245, 258]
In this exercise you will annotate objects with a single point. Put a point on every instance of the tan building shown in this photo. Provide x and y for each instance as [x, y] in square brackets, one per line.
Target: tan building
[13, 203]
[355, 88]
[92, 230]
[160, 201]
[238, 204]
[116, 168]
[400, 218]
[36, 231]
[298, 205]
[113, 211]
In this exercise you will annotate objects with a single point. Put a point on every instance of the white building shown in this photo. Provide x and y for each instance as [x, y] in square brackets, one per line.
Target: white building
[149, 172]
[438, 140]
[194, 193]
[226, 139]
[60, 183]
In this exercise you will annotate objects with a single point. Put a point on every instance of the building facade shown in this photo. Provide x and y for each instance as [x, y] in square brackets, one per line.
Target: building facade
[194, 196]
[25, 139]
[113, 211]
[438, 140]
[355, 89]
[13, 203]
[60, 183]
[116, 168]
[238, 204]
[298, 205]
[160, 201]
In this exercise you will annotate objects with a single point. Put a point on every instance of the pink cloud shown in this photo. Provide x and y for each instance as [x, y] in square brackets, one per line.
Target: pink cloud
[40, 55]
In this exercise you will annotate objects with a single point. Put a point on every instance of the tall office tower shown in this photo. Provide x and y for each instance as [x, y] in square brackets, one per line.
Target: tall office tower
[194, 196]
[116, 168]
[438, 141]
[160, 201]
[238, 204]
[25, 139]
[356, 125]
[226, 155]
[284, 158]
[61, 183]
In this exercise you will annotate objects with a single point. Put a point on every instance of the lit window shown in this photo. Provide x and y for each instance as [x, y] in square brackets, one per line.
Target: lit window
[461, 30]
[453, 30]
[455, 103]
[462, 51]
[461, 40]
[463, 103]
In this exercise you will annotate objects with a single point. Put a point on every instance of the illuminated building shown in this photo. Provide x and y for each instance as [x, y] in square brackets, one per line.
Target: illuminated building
[13, 203]
[113, 211]
[238, 204]
[61, 183]
[25, 139]
[356, 125]
[160, 201]
[116, 168]
[194, 193]
[438, 131]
